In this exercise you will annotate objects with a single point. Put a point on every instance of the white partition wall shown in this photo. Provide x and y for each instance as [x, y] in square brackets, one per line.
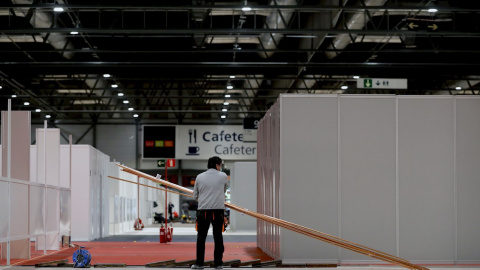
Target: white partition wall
[243, 191]
[395, 173]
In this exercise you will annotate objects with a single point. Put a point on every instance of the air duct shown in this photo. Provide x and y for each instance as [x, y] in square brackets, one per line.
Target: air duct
[357, 21]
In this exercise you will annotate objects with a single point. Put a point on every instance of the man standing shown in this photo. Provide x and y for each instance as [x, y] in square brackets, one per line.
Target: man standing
[209, 191]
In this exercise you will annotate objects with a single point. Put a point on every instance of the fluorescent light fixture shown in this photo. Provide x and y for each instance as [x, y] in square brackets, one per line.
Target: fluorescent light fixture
[232, 76]
[58, 9]
[106, 75]
[344, 87]
[47, 116]
[458, 88]
[14, 96]
[130, 109]
[227, 95]
[120, 94]
[26, 103]
[1, 87]
[74, 33]
[135, 115]
[356, 77]
[125, 101]
[114, 85]
[226, 103]
[38, 110]
[432, 10]
[223, 116]
[224, 110]
[229, 86]
[246, 8]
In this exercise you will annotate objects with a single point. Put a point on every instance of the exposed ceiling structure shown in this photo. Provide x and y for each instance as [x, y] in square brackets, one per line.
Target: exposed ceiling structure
[196, 61]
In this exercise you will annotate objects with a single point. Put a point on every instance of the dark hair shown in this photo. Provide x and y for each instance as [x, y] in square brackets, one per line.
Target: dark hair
[213, 162]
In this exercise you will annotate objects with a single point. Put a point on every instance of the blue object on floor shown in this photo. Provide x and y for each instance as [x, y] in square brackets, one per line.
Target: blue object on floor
[81, 258]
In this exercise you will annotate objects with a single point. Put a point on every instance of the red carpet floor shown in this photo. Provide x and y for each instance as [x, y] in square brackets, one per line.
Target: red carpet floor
[141, 253]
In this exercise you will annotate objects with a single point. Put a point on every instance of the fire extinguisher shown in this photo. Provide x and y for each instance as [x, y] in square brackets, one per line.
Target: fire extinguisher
[169, 233]
[162, 235]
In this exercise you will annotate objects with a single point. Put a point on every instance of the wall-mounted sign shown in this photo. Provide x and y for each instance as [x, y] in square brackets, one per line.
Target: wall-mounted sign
[159, 141]
[250, 127]
[203, 142]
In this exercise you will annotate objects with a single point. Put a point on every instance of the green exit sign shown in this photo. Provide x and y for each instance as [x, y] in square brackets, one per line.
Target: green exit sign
[161, 163]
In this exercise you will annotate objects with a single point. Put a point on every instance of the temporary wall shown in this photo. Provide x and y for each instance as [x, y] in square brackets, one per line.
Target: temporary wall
[243, 188]
[395, 173]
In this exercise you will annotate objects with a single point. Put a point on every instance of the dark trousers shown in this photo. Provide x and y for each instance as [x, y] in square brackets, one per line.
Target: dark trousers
[204, 218]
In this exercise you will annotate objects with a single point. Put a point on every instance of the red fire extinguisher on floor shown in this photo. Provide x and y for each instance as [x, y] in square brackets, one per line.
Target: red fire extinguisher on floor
[163, 238]
[170, 233]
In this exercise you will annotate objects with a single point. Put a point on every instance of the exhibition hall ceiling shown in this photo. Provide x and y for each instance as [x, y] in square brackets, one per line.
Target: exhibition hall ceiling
[218, 62]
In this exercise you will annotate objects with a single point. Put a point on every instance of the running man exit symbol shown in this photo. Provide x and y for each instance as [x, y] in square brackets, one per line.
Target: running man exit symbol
[367, 83]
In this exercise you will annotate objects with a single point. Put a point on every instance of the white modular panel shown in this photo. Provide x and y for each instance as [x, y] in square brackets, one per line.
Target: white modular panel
[36, 210]
[48, 162]
[468, 179]
[81, 218]
[367, 173]
[53, 210]
[33, 163]
[426, 178]
[243, 192]
[4, 205]
[308, 169]
[19, 209]
[65, 166]
[65, 209]
[20, 144]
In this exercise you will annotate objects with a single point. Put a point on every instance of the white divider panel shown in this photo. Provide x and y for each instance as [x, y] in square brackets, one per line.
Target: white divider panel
[367, 166]
[426, 178]
[308, 171]
[468, 182]
[20, 145]
[51, 157]
[53, 210]
[36, 210]
[4, 205]
[242, 184]
[65, 206]
[19, 209]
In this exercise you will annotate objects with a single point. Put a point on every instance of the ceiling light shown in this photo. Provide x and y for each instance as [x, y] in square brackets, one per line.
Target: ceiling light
[1, 87]
[120, 94]
[232, 76]
[114, 85]
[246, 8]
[125, 101]
[223, 116]
[226, 103]
[356, 77]
[344, 87]
[38, 110]
[432, 10]
[135, 115]
[224, 110]
[229, 86]
[58, 9]
[458, 88]
[130, 109]
[227, 95]
[26, 103]
[14, 96]
[106, 75]
[74, 33]
[47, 116]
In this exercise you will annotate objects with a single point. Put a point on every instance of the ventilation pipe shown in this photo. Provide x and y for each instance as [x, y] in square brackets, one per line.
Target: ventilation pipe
[45, 20]
[357, 21]
[276, 20]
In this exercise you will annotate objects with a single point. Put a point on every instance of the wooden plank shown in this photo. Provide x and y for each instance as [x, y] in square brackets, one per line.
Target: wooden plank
[109, 265]
[44, 264]
[227, 263]
[189, 262]
[268, 263]
[321, 265]
[161, 263]
[246, 263]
